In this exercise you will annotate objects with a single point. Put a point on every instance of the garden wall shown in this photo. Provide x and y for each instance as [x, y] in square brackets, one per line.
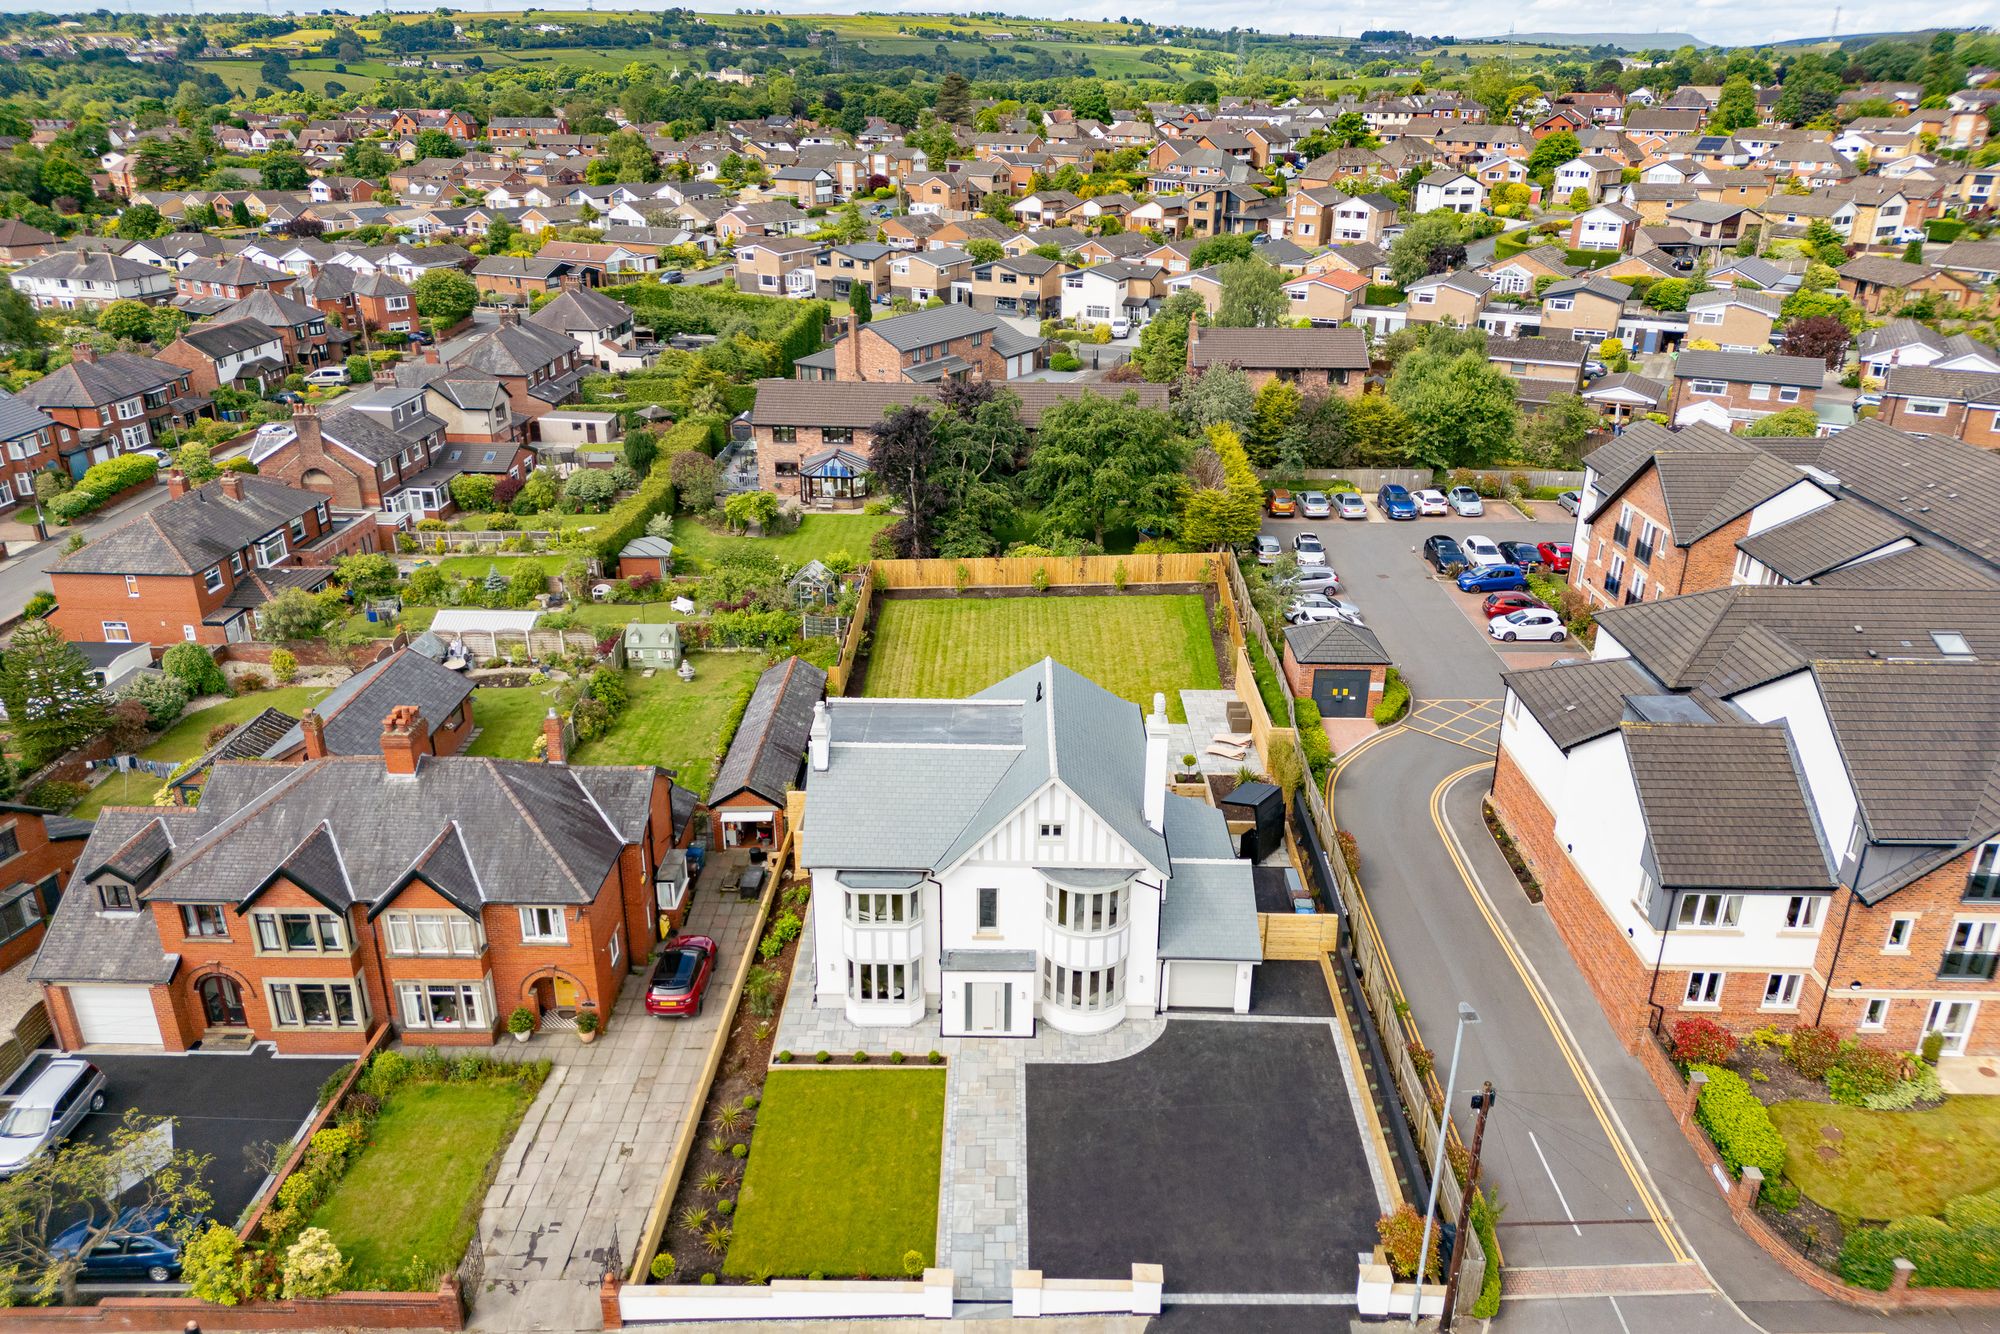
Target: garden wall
[443, 1309]
[789, 1299]
[1035, 1295]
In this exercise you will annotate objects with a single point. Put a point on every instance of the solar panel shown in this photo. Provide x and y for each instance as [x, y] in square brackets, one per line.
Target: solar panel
[927, 722]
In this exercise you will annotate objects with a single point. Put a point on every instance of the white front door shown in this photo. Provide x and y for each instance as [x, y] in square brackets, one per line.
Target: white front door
[1954, 1020]
[989, 1007]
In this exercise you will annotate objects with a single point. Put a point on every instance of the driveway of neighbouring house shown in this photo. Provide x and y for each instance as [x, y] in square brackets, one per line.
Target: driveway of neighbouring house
[1226, 1152]
[576, 1184]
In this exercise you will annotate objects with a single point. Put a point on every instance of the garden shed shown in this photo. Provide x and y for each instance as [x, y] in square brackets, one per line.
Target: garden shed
[646, 555]
[1261, 807]
[1342, 668]
[746, 806]
[653, 645]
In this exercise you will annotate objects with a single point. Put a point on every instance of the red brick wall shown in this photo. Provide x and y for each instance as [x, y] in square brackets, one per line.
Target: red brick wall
[869, 356]
[1737, 399]
[1299, 677]
[166, 603]
[443, 1309]
[36, 861]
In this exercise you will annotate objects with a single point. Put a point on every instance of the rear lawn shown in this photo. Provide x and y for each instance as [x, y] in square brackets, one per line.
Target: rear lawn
[817, 537]
[476, 567]
[843, 1175]
[678, 724]
[187, 738]
[509, 718]
[407, 1207]
[1131, 645]
[1882, 1165]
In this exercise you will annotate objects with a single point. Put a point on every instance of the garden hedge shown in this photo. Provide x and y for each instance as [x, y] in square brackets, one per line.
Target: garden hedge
[1944, 1256]
[1739, 1124]
[655, 492]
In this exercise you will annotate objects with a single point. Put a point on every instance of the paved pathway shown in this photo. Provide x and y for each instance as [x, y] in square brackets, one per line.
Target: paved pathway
[575, 1186]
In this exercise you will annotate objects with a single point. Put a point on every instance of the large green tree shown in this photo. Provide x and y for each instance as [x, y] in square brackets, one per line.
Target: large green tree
[45, 684]
[1253, 296]
[1460, 409]
[1552, 151]
[1219, 517]
[1162, 352]
[1100, 462]
[1736, 107]
[444, 296]
[1422, 246]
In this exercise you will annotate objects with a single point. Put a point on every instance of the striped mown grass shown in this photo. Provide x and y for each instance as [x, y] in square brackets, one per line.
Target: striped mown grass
[1132, 645]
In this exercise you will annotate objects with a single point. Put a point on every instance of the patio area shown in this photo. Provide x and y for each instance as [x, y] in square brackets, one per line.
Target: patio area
[1208, 717]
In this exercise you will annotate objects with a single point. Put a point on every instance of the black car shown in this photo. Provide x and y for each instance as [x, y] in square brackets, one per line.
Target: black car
[1442, 553]
[1524, 554]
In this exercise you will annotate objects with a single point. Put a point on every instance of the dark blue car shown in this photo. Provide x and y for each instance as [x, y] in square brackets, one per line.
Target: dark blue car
[141, 1250]
[1396, 502]
[1493, 579]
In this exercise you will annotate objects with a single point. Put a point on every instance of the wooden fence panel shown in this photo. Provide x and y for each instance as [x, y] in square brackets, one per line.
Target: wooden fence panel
[850, 648]
[1298, 935]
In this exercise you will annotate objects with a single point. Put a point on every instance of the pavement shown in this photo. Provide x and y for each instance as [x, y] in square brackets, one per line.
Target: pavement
[25, 574]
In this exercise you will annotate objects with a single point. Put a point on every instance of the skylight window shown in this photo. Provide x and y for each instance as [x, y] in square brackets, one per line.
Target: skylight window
[1951, 643]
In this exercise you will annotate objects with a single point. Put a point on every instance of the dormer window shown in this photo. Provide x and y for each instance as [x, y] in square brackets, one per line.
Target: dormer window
[116, 896]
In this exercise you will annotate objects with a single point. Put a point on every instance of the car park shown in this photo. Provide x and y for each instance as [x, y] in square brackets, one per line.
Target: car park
[1319, 607]
[1555, 555]
[1281, 505]
[1528, 623]
[1499, 604]
[679, 982]
[1312, 579]
[1465, 502]
[1524, 554]
[1350, 504]
[328, 375]
[48, 1109]
[1480, 550]
[1491, 579]
[1571, 501]
[1308, 549]
[1443, 553]
[1268, 549]
[1396, 502]
[142, 1246]
[1315, 505]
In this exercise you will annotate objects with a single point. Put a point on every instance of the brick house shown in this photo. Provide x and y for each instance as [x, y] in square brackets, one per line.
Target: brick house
[1027, 285]
[746, 803]
[1865, 900]
[359, 300]
[381, 452]
[432, 893]
[1736, 319]
[1879, 282]
[514, 276]
[231, 279]
[1342, 668]
[1962, 404]
[927, 345]
[777, 266]
[838, 269]
[241, 354]
[540, 368]
[1456, 297]
[1746, 385]
[1554, 365]
[409, 123]
[38, 851]
[1319, 360]
[923, 275]
[31, 440]
[1325, 299]
[197, 566]
[113, 403]
[1586, 308]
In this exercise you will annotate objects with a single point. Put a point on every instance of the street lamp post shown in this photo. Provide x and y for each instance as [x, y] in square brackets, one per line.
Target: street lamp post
[1466, 1015]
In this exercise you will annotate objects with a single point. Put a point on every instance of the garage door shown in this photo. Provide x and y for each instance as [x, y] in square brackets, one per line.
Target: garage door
[1341, 692]
[1201, 986]
[116, 1015]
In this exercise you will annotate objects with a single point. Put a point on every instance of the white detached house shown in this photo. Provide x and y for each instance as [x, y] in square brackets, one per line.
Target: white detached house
[1016, 856]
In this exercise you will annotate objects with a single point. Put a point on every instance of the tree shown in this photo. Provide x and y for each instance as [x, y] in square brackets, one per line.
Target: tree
[1277, 405]
[1321, 435]
[167, 323]
[367, 574]
[1214, 395]
[293, 614]
[640, 449]
[283, 171]
[859, 304]
[1735, 107]
[45, 684]
[1553, 437]
[1253, 296]
[196, 463]
[589, 490]
[1162, 352]
[954, 99]
[694, 476]
[1220, 250]
[1410, 258]
[20, 326]
[444, 296]
[750, 507]
[1669, 294]
[1555, 148]
[1217, 518]
[1378, 431]
[436, 143]
[1824, 336]
[979, 441]
[1099, 462]
[138, 223]
[1913, 253]
[1823, 243]
[126, 318]
[65, 178]
[1794, 423]
[985, 250]
[193, 665]
[83, 1182]
[1460, 408]
[1806, 304]
[904, 456]
[1444, 339]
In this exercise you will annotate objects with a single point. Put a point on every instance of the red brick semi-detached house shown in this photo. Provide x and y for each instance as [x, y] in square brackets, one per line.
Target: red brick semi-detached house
[31, 440]
[746, 805]
[1962, 404]
[304, 904]
[113, 403]
[198, 566]
[1766, 806]
[359, 300]
[383, 452]
[38, 851]
[1744, 386]
[539, 367]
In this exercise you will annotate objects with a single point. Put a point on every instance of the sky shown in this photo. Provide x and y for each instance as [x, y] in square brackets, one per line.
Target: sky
[1724, 22]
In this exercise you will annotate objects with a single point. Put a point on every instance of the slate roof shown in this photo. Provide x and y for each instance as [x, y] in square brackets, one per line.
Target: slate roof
[1929, 382]
[189, 533]
[1936, 485]
[85, 945]
[354, 711]
[1725, 807]
[1594, 284]
[111, 377]
[1751, 368]
[923, 328]
[581, 308]
[1210, 912]
[1334, 642]
[770, 742]
[94, 266]
[1912, 567]
[1564, 351]
[1578, 702]
[1286, 349]
[18, 417]
[507, 350]
[1815, 542]
[217, 341]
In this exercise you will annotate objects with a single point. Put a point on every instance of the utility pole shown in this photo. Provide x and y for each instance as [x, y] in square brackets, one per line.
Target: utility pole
[1483, 1101]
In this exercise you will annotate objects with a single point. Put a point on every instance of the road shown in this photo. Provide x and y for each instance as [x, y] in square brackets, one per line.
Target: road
[22, 576]
[1600, 1192]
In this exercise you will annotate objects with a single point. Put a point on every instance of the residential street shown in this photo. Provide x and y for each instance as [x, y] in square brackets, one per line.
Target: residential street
[22, 576]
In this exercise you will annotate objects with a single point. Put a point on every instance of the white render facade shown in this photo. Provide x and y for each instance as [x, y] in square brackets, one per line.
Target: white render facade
[1015, 858]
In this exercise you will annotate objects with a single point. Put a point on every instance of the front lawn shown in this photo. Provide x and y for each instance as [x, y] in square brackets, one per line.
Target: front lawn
[1875, 1165]
[411, 1200]
[843, 1175]
[1132, 645]
[187, 738]
[817, 537]
[678, 724]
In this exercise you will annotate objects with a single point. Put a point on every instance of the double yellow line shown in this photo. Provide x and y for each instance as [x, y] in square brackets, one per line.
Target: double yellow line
[1570, 1055]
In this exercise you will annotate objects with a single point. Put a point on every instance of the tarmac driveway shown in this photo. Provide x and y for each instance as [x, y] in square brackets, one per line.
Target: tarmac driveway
[1226, 1152]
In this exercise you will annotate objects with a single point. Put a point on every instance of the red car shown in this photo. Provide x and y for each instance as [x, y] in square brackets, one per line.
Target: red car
[1555, 555]
[1499, 604]
[680, 977]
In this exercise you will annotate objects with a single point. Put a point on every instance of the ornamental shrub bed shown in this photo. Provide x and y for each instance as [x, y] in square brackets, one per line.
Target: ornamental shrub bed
[1739, 1124]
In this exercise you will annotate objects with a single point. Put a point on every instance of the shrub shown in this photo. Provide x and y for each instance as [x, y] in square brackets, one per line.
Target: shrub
[708, 1279]
[861, 1058]
[740, 1151]
[1862, 1072]
[163, 697]
[1812, 1050]
[313, 1266]
[284, 665]
[895, 1058]
[1739, 1124]
[1485, 1220]
[785, 928]
[252, 682]
[822, 1056]
[1780, 1196]
[194, 667]
[1944, 1256]
[914, 1263]
[662, 1268]
[1974, 1210]
[214, 1268]
[52, 794]
[784, 1058]
[1921, 1085]
[39, 606]
[935, 1058]
[387, 1071]
[1699, 1041]
[1932, 1048]
[760, 991]
[1395, 699]
[1402, 1236]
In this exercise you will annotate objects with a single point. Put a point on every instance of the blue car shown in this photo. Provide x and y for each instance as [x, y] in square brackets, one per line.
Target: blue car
[1396, 502]
[142, 1249]
[1493, 579]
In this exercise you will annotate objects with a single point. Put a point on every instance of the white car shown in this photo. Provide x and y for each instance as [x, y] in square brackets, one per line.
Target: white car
[1309, 549]
[1465, 502]
[1319, 607]
[1268, 549]
[1431, 501]
[1528, 623]
[1481, 551]
[326, 375]
[1121, 328]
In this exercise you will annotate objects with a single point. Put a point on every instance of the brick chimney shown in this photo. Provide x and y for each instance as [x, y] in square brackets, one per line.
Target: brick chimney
[177, 483]
[568, 282]
[552, 732]
[314, 728]
[83, 352]
[232, 485]
[406, 739]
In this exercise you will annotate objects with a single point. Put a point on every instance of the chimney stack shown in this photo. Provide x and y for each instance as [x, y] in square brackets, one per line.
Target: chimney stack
[232, 485]
[821, 737]
[305, 426]
[84, 353]
[406, 739]
[314, 728]
[177, 483]
[1155, 778]
[567, 282]
[552, 734]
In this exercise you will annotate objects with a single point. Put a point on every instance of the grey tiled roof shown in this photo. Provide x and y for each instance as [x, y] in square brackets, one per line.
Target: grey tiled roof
[1705, 490]
[1921, 742]
[192, 532]
[1913, 567]
[581, 308]
[18, 417]
[1815, 542]
[1580, 701]
[1567, 351]
[1210, 912]
[354, 711]
[1725, 807]
[1751, 368]
[1335, 641]
[86, 945]
[1933, 483]
[508, 349]
[770, 742]
[113, 376]
[922, 328]
[223, 340]
[1283, 349]
[1955, 386]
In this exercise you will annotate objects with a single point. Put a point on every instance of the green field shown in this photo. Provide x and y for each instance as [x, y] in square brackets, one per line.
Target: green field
[843, 1174]
[1131, 645]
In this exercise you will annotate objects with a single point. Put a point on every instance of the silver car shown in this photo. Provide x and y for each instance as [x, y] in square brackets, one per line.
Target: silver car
[1570, 500]
[1315, 505]
[1465, 502]
[1313, 607]
[1268, 548]
[47, 1110]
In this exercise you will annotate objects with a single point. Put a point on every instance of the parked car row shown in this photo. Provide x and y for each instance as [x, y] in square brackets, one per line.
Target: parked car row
[1478, 551]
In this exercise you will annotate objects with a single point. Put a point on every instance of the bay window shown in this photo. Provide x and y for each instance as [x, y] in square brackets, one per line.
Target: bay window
[305, 1004]
[883, 982]
[895, 909]
[1085, 913]
[1086, 989]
